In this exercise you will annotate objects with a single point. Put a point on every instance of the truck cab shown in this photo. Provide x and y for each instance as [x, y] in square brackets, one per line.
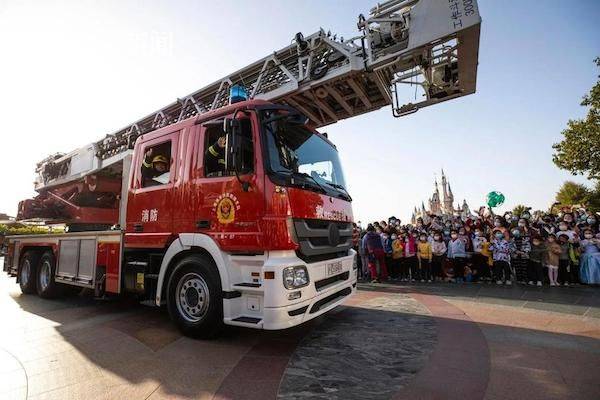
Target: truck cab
[257, 200]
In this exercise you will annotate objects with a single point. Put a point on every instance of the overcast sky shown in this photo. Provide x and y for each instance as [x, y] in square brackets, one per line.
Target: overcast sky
[73, 71]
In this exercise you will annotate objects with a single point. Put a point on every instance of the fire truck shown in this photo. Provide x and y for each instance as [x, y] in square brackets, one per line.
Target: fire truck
[227, 206]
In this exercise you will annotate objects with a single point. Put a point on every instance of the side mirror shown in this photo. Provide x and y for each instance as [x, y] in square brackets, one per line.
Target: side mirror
[233, 155]
[231, 126]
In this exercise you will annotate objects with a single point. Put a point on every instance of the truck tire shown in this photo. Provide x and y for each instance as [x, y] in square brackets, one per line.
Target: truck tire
[47, 288]
[27, 271]
[194, 297]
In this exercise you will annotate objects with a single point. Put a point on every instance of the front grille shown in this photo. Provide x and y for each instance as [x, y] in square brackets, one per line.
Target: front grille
[331, 280]
[315, 239]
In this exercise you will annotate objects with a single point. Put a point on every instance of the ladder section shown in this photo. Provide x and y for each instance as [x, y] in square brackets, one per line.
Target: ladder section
[429, 46]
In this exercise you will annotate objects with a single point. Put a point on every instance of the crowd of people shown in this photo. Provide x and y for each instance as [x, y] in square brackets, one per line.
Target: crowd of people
[556, 249]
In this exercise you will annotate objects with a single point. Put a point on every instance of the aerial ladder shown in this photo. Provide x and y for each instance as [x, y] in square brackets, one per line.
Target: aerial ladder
[429, 45]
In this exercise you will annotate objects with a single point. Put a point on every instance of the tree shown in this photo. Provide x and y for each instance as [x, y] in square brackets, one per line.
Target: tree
[520, 209]
[594, 199]
[572, 193]
[579, 151]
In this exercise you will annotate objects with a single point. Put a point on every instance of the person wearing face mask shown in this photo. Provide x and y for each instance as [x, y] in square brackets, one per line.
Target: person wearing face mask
[397, 254]
[537, 256]
[554, 251]
[457, 256]
[564, 260]
[564, 229]
[520, 246]
[410, 256]
[499, 225]
[589, 262]
[438, 250]
[479, 260]
[425, 256]
[501, 249]
[376, 255]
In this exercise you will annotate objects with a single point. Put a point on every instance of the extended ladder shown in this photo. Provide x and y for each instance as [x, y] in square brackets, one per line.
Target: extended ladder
[432, 44]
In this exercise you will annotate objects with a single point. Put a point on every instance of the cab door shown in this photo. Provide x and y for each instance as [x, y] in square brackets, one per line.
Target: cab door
[226, 211]
[150, 198]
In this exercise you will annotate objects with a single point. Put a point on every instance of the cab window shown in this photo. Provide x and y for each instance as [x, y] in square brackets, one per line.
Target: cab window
[215, 145]
[156, 165]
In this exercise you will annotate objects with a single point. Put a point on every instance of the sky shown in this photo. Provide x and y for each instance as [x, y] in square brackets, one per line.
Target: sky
[74, 71]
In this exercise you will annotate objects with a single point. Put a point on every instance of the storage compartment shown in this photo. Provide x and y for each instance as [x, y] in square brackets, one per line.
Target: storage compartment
[77, 261]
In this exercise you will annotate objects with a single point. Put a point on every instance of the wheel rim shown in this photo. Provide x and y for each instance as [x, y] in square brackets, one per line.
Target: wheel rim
[192, 297]
[45, 275]
[25, 272]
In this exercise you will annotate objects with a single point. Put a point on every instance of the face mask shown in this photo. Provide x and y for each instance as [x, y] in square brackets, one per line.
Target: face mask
[477, 233]
[591, 221]
[516, 233]
[454, 236]
[437, 237]
[522, 224]
[497, 224]
[588, 236]
[423, 239]
[499, 235]
[562, 227]
[394, 237]
[446, 233]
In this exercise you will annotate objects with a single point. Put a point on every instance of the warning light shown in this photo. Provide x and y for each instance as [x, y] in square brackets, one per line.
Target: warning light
[237, 93]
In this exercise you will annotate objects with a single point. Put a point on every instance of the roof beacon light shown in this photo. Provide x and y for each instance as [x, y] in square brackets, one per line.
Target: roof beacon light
[237, 93]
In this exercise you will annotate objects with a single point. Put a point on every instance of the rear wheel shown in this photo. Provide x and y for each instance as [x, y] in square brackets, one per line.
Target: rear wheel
[194, 297]
[46, 286]
[27, 271]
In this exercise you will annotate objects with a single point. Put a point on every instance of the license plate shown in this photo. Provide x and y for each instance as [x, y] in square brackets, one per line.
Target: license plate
[334, 268]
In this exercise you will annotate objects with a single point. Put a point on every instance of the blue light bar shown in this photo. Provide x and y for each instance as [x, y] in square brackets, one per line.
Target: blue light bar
[237, 93]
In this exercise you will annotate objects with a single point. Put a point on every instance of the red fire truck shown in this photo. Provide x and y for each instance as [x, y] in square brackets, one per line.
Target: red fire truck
[227, 206]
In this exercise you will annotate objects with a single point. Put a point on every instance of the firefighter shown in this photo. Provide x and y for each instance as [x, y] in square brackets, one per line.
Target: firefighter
[215, 157]
[155, 170]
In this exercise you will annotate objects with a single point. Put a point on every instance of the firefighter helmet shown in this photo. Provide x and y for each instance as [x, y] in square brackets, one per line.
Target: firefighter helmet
[160, 159]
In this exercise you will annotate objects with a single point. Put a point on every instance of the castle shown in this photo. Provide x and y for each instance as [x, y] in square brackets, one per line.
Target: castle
[442, 206]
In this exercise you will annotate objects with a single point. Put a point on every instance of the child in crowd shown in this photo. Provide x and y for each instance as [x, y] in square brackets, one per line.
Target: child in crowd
[501, 249]
[457, 255]
[537, 256]
[564, 260]
[521, 247]
[438, 249]
[589, 263]
[410, 256]
[479, 260]
[425, 255]
[397, 254]
[554, 251]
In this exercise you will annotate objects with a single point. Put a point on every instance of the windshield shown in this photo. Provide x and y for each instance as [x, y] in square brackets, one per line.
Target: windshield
[294, 150]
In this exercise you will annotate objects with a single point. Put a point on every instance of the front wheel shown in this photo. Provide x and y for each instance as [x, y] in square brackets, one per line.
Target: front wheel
[194, 297]
[27, 272]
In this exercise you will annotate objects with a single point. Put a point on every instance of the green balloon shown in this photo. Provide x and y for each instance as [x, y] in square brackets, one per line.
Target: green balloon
[495, 199]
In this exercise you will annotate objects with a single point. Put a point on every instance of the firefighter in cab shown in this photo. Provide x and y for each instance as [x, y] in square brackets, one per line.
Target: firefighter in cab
[155, 170]
[215, 157]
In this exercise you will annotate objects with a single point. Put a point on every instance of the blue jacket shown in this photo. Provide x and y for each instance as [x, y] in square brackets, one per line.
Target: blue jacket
[387, 245]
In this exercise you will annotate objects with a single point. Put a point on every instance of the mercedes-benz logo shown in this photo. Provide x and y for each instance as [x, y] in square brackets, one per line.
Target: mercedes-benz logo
[334, 235]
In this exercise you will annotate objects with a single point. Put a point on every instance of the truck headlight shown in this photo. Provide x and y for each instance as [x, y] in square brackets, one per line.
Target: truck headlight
[295, 277]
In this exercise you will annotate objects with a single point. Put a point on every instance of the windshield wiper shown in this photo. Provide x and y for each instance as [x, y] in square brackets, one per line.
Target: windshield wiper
[319, 187]
[341, 188]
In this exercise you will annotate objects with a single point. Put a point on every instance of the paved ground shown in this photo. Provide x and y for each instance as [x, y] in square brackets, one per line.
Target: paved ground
[388, 342]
